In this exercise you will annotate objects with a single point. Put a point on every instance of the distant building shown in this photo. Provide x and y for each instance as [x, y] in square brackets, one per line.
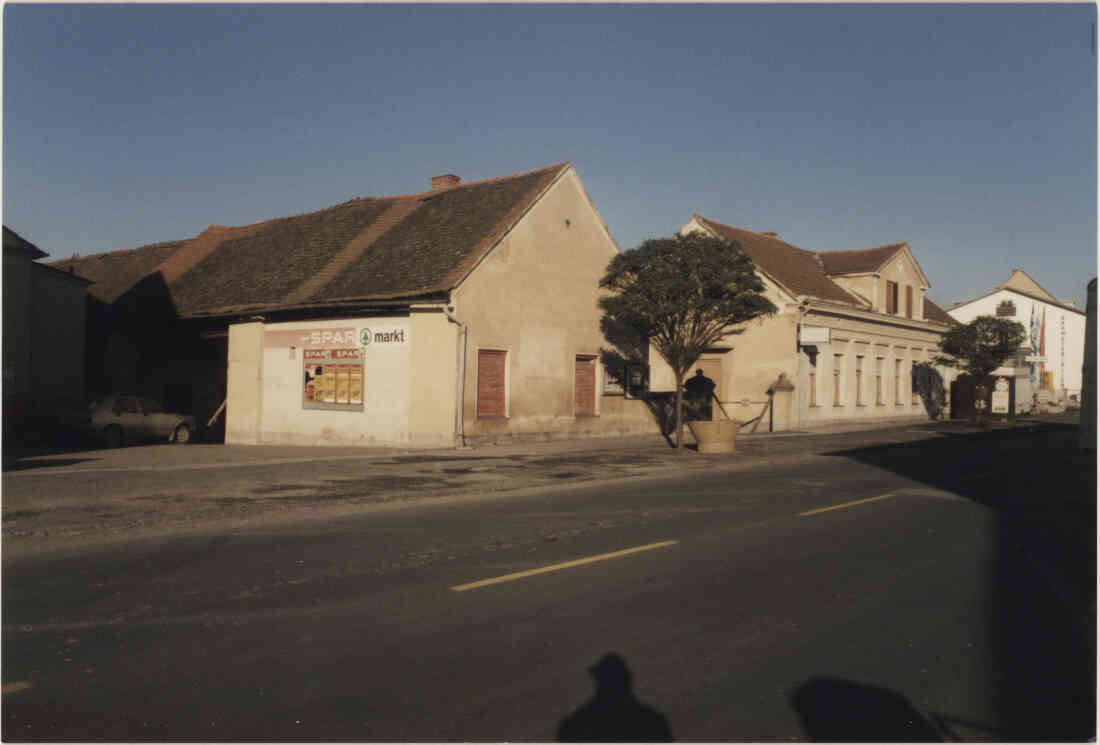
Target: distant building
[43, 335]
[1049, 367]
[851, 328]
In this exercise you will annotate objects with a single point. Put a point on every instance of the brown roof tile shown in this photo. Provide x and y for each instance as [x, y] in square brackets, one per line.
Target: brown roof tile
[862, 260]
[115, 273]
[368, 248]
[438, 243]
[933, 312]
[796, 269]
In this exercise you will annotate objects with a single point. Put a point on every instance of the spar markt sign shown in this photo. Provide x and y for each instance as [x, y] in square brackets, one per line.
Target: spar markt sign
[369, 336]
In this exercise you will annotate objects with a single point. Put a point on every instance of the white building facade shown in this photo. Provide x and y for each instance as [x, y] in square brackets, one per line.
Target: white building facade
[1052, 362]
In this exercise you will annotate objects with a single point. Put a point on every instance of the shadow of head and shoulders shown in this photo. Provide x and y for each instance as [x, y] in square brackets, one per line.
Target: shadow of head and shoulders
[614, 713]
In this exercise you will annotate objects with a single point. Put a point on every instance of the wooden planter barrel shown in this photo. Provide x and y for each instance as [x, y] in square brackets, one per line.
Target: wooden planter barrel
[716, 436]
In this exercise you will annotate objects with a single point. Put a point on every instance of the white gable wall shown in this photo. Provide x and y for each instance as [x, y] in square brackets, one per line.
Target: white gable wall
[1064, 337]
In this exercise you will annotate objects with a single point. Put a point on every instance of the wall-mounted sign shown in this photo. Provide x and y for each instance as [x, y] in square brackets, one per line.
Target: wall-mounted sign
[383, 336]
[813, 335]
[304, 338]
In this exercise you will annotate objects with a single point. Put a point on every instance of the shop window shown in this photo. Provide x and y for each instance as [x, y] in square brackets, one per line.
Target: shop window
[492, 380]
[333, 379]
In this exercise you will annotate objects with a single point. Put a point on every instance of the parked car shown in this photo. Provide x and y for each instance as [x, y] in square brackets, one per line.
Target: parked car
[118, 418]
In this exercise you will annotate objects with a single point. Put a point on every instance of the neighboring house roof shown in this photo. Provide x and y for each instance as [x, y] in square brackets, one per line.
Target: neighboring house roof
[396, 247]
[858, 261]
[116, 272]
[16, 242]
[1022, 282]
[1042, 299]
[796, 269]
[933, 312]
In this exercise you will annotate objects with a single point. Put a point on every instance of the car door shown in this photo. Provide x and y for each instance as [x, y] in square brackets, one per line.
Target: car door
[130, 417]
[157, 424]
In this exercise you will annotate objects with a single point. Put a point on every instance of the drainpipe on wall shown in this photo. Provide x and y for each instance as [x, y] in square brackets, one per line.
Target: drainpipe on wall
[462, 329]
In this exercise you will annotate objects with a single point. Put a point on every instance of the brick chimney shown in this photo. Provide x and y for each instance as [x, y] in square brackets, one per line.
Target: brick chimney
[444, 181]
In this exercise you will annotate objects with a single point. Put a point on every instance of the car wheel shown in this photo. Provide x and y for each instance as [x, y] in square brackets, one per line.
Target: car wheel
[182, 435]
[112, 436]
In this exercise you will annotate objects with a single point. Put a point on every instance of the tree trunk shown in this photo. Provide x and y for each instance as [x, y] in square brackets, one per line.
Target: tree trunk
[680, 412]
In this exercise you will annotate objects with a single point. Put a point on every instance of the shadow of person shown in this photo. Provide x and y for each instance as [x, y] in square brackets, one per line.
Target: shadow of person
[836, 710]
[614, 714]
[698, 394]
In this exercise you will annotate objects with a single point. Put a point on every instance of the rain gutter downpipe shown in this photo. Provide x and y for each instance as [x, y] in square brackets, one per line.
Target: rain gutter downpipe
[460, 435]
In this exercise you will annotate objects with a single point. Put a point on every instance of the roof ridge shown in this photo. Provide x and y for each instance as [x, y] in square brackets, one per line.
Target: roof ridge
[483, 182]
[117, 252]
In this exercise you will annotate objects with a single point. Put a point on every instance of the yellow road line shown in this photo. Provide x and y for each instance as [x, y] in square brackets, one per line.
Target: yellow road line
[846, 504]
[557, 567]
[14, 687]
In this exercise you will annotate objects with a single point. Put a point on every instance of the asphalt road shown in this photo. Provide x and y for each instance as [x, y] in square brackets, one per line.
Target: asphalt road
[948, 594]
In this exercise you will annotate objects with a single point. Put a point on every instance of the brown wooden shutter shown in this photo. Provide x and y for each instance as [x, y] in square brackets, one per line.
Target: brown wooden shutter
[908, 301]
[490, 383]
[891, 297]
[584, 386]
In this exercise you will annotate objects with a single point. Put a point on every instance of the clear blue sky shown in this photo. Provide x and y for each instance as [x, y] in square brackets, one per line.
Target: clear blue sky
[967, 130]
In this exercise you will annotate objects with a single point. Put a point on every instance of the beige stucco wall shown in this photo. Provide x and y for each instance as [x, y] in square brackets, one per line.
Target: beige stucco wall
[433, 376]
[244, 384]
[535, 297]
[384, 418]
[893, 346]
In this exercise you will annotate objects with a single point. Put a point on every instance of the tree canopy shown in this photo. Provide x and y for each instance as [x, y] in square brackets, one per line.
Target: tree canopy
[981, 346]
[682, 294]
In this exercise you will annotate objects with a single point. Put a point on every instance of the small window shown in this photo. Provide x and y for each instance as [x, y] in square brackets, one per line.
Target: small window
[891, 297]
[1006, 309]
[859, 381]
[908, 301]
[128, 405]
[150, 406]
[838, 360]
[879, 393]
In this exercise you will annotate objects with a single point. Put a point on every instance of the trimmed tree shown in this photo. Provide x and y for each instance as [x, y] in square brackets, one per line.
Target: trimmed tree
[682, 294]
[980, 347]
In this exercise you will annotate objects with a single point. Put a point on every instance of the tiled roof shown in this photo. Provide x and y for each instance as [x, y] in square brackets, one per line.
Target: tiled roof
[796, 269]
[17, 242]
[933, 312]
[862, 260]
[116, 272]
[369, 248]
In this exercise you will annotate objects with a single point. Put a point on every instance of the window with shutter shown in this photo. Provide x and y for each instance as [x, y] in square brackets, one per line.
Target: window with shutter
[491, 379]
[584, 386]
